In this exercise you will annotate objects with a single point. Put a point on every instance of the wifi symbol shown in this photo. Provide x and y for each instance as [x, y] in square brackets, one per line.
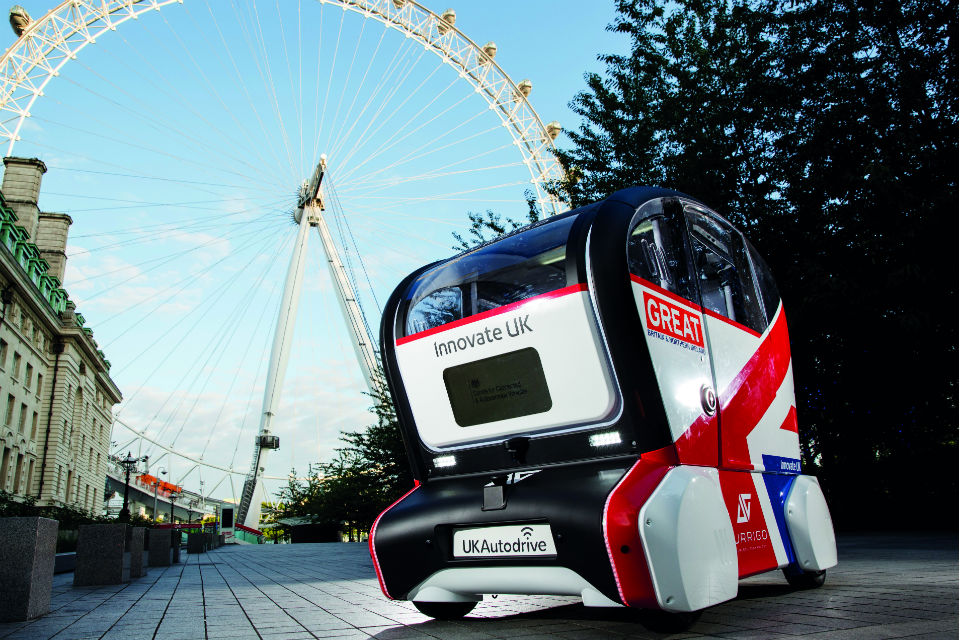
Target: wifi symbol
[527, 532]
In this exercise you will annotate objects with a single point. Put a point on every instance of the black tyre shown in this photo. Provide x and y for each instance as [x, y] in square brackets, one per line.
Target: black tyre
[667, 621]
[804, 579]
[445, 610]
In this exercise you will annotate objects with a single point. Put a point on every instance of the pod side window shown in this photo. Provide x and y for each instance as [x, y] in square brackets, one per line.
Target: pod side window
[768, 286]
[723, 268]
[655, 251]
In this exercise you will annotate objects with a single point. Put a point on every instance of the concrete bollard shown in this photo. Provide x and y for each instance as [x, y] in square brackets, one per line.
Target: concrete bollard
[221, 540]
[135, 547]
[28, 548]
[195, 543]
[175, 541]
[102, 555]
[160, 550]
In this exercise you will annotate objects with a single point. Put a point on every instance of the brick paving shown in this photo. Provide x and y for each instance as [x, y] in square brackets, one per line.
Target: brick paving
[885, 587]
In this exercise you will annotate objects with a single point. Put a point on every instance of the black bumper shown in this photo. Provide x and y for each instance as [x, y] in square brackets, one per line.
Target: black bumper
[414, 539]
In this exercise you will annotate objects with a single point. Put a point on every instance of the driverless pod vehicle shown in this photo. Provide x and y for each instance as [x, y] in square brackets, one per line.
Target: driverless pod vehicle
[600, 404]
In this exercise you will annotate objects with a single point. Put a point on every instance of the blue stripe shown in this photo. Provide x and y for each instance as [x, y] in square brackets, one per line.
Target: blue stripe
[778, 488]
[778, 464]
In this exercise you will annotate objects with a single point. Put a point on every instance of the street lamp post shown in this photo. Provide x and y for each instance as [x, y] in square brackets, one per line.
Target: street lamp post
[173, 498]
[128, 464]
[156, 488]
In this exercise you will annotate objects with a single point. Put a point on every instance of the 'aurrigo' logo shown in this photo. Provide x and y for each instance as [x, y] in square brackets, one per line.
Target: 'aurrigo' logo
[672, 320]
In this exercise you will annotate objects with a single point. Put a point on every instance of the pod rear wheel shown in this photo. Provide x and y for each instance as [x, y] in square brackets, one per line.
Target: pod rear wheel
[445, 610]
[805, 579]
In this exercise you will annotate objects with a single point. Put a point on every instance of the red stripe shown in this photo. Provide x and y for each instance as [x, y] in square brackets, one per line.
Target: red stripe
[692, 305]
[255, 532]
[732, 323]
[750, 394]
[620, 531]
[556, 293]
[665, 293]
[700, 443]
[790, 422]
[373, 533]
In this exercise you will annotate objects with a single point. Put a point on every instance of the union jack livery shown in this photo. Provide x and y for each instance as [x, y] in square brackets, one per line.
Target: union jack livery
[600, 404]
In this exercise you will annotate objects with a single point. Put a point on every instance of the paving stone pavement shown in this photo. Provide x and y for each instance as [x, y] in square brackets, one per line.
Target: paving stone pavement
[885, 587]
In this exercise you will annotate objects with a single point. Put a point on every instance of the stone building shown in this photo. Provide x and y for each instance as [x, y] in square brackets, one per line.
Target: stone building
[56, 395]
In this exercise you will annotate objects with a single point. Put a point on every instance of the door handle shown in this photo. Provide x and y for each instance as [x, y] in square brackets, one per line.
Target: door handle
[708, 399]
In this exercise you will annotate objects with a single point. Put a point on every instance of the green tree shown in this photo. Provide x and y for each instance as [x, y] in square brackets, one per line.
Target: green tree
[364, 476]
[490, 225]
[828, 131]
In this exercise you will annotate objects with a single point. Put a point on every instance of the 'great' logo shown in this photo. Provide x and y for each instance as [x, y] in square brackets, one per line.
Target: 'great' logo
[672, 320]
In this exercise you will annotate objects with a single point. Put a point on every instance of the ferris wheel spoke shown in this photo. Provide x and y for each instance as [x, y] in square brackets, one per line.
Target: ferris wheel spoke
[163, 260]
[393, 140]
[241, 82]
[201, 311]
[388, 80]
[198, 185]
[427, 149]
[165, 230]
[352, 121]
[333, 66]
[174, 290]
[266, 73]
[224, 141]
[243, 358]
[295, 99]
[346, 84]
[141, 146]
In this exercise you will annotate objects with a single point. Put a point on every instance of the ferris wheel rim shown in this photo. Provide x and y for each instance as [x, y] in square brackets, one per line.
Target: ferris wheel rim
[50, 42]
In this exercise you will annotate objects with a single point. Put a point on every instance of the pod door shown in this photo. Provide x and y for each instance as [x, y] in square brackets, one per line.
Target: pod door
[665, 291]
[734, 326]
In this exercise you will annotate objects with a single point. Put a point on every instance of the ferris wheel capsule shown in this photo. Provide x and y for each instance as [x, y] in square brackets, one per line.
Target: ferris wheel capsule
[399, 3]
[490, 50]
[447, 19]
[524, 89]
[553, 129]
[19, 19]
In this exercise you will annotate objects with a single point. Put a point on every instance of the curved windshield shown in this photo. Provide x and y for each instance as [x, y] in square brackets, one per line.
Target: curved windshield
[516, 268]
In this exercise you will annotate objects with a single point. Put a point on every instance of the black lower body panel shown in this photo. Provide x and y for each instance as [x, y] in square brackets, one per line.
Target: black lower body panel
[414, 539]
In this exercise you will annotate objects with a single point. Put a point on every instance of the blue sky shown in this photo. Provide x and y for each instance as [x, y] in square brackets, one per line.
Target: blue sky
[177, 145]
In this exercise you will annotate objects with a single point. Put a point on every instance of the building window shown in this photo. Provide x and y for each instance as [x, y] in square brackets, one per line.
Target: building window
[39, 384]
[4, 464]
[3, 354]
[18, 474]
[17, 359]
[29, 379]
[29, 488]
[22, 420]
[11, 402]
[83, 368]
[33, 426]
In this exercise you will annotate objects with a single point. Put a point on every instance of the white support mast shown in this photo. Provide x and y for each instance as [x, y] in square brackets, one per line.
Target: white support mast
[309, 213]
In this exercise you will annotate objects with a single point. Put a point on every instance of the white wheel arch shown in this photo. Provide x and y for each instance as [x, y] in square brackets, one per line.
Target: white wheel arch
[48, 43]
